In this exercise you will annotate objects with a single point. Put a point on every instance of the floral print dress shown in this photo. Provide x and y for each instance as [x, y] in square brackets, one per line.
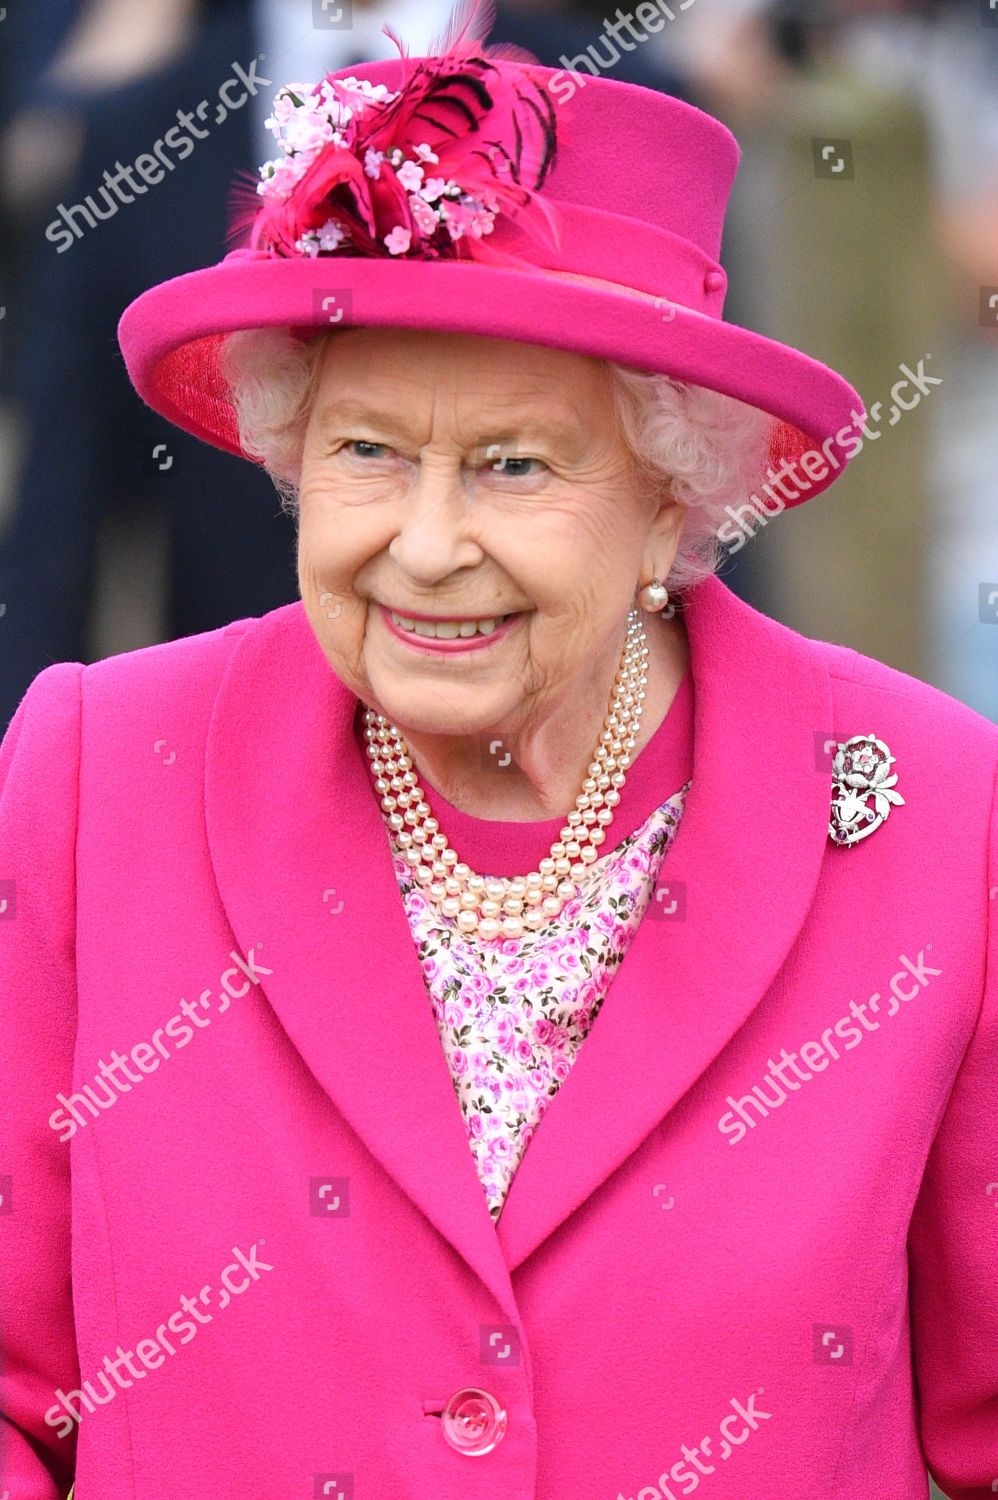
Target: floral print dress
[512, 1013]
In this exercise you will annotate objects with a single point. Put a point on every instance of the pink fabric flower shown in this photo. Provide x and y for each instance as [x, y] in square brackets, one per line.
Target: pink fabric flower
[399, 240]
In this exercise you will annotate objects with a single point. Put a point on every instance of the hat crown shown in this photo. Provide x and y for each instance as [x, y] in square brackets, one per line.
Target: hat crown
[623, 148]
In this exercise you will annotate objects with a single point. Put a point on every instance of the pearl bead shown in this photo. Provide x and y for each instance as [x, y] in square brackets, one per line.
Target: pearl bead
[511, 927]
[467, 921]
[488, 929]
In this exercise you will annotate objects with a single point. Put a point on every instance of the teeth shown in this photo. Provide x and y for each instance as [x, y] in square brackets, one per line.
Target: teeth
[448, 630]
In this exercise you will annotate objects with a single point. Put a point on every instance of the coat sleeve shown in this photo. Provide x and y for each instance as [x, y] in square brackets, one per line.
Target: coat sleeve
[953, 1255]
[39, 776]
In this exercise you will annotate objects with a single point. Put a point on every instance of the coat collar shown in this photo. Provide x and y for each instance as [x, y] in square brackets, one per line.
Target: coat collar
[304, 874]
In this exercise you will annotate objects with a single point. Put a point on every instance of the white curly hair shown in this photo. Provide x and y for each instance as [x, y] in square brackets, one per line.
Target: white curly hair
[706, 450]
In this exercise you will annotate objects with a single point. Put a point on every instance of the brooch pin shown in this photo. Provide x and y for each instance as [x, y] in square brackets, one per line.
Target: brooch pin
[863, 788]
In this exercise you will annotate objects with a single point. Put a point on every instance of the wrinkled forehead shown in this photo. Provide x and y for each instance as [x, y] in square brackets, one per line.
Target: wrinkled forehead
[389, 374]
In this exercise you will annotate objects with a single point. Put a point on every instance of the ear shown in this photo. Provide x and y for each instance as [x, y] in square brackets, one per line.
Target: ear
[664, 536]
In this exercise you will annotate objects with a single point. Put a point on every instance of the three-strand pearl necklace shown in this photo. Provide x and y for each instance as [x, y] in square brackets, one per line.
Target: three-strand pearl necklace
[507, 907]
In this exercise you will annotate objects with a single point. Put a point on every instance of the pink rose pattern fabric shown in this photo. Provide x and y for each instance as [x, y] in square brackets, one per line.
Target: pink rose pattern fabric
[513, 1013]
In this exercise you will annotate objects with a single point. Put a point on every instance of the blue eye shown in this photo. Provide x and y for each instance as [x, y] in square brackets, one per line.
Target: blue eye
[362, 448]
[510, 466]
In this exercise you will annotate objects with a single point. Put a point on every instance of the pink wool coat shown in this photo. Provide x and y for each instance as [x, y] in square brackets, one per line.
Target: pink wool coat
[752, 1249]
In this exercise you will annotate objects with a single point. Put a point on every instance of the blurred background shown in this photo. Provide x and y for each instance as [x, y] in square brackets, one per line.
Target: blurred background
[863, 228]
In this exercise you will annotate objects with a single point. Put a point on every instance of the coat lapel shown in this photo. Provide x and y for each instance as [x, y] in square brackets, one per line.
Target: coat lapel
[304, 874]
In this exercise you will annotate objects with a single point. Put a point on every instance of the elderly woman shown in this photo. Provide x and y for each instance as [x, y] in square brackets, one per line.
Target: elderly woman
[510, 1023]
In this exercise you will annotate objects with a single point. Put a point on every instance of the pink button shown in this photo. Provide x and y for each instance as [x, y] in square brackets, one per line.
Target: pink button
[714, 280]
[473, 1421]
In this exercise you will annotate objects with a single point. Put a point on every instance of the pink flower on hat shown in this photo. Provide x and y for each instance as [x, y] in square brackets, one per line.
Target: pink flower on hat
[399, 240]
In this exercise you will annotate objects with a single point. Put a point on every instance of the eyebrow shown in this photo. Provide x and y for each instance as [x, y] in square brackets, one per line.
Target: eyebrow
[387, 421]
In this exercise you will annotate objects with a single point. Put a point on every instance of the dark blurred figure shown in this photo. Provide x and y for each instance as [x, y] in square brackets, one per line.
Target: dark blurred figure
[88, 447]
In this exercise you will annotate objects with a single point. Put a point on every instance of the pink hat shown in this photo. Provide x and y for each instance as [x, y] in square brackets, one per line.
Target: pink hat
[477, 191]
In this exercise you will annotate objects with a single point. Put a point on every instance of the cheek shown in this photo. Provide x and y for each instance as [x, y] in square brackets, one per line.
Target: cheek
[332, 550]
[580, 554]
[339, 531]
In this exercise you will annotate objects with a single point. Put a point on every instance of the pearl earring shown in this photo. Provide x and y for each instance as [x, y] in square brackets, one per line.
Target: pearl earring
[654, 595]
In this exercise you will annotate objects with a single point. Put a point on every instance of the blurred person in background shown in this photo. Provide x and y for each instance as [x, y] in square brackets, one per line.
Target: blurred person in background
[944, 53]
[104, 542]
[902, 98]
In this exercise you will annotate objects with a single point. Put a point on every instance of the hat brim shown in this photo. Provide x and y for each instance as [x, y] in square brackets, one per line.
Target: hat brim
[171, 336]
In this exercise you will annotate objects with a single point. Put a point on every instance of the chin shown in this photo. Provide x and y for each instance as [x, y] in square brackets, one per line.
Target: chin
[418, 709]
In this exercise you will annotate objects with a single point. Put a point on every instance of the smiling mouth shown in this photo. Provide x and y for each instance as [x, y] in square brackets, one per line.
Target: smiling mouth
[448, 630]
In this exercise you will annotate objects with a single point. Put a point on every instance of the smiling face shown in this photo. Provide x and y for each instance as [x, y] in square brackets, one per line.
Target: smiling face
[464, 479]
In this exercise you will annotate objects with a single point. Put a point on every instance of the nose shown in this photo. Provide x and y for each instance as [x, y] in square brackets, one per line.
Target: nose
[434, 536]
